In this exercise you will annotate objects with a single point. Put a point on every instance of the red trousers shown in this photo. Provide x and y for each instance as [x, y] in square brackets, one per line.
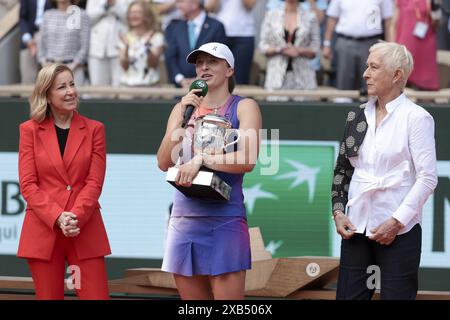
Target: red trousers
[90, 277]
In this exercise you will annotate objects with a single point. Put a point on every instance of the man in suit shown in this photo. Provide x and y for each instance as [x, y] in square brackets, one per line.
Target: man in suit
[30, 18]
[182, 36]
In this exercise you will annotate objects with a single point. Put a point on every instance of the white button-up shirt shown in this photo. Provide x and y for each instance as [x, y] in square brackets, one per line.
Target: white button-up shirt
[395, 170]
[360, 18]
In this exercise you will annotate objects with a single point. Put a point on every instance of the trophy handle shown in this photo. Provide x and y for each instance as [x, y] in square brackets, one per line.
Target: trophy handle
[238, 136]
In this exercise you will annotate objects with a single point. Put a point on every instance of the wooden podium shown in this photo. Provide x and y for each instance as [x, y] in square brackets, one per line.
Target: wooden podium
[283, 278]
[293, 277]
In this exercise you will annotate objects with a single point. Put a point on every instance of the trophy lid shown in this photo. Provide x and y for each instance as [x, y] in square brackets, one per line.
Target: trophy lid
[215, 119]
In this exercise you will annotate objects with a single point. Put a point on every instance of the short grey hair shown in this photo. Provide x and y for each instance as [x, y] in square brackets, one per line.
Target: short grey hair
[395, 56]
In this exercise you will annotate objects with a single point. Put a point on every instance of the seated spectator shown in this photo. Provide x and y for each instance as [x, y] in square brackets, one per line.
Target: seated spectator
[408, 16]
[181, 39]
[108, 20]
[64, 38]
[290, 39]
[141, 47]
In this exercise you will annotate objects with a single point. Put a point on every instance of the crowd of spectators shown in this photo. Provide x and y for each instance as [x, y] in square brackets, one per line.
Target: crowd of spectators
[145, 42]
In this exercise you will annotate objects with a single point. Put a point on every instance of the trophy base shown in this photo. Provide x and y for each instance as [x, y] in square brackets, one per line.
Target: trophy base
[206, 184]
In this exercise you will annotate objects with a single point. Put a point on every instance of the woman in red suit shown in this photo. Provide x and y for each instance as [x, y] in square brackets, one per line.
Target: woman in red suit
[62, 162]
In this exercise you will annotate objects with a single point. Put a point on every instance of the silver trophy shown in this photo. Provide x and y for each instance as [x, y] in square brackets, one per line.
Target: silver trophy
[213, 134]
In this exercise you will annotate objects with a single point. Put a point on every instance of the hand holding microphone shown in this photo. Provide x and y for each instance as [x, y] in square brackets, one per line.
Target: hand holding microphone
[193, 101]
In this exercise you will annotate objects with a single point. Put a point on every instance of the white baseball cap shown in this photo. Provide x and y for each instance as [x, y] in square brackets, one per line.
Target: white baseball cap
[216, 49]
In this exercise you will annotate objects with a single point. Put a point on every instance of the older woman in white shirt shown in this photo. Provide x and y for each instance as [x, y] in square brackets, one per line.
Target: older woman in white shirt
[385, 171]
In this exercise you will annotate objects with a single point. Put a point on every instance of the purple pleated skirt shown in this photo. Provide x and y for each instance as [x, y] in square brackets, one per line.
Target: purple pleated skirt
[207, 246]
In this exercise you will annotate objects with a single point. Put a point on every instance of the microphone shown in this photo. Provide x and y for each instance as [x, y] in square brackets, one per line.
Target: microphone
[197, 84]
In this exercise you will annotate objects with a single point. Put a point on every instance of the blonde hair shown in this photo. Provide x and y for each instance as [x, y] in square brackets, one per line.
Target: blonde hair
[39, 108]
[396, 57]
[149, 15]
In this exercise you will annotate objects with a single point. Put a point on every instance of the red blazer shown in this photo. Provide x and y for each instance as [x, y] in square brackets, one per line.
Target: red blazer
[51, 184]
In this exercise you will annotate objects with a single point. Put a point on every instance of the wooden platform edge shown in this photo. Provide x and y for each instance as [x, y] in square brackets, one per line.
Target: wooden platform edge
[118, 286]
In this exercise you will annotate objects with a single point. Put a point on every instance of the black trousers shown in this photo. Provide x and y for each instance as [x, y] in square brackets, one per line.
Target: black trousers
[364, 261]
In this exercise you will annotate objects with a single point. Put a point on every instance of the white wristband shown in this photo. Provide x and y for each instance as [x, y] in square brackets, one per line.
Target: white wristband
[178, 78]
[26, 37]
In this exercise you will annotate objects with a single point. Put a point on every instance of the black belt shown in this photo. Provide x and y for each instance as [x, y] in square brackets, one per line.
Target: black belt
[60, 61]
[377, 36]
